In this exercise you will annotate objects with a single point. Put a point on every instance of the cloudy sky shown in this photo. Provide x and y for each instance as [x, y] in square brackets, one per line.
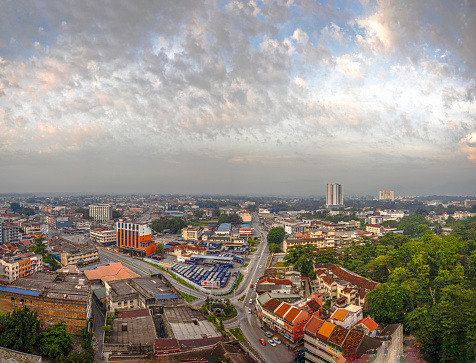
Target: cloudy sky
[241, 97]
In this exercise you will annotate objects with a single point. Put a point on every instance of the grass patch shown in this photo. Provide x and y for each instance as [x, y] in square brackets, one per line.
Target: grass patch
[281, 264]
[188, 297]
[246, 264]
[238, 334]
[253, 250]
[237, 283]
[242, 298]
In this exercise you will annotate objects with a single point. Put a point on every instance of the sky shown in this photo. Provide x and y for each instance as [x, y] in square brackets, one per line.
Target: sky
[252, 97]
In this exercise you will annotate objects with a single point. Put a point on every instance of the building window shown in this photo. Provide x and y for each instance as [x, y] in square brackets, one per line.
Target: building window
[13, 299]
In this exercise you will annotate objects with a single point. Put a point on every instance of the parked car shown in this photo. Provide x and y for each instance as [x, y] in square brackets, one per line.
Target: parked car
[262, 341]
[251, 286]
[277, 340]
[271, 342]
[249, 311]
[268, 334]
[251, 301]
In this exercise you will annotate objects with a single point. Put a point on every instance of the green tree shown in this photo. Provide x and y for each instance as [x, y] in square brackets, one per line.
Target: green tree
[116, 214]
[55, 341]
[19, 330]
[223, 219]
[276, 235]
[387, 303]
[198, 213]
[274, 248]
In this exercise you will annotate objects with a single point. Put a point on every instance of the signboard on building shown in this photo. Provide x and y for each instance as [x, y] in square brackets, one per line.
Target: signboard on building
[288, 336]
[212, 284]
[34, 264]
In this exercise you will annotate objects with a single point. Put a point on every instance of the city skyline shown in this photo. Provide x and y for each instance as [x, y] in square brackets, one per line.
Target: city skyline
[239, 98]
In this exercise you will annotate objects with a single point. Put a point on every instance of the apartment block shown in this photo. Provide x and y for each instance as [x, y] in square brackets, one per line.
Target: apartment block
[334, 195]
[386, 195]
[10, 232]
[103, 236]
[20, 266]
[100, 212]
[75, 254]
[192, 233]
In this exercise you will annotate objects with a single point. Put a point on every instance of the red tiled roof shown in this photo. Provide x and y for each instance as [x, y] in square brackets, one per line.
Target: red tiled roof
[313, 325]
[345, 275]
[291, 314]
[338, 335]
[271, 305]
[328, 280]
[351, 343]
[282, 310]
[368, 323]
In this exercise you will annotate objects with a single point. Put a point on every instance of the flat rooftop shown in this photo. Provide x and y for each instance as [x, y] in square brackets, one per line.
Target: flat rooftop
[151, 286]
[136, 329]
[55, 286]
[187, 323]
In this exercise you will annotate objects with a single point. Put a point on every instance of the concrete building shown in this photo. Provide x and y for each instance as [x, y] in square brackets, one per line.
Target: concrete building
[103, 236]
[10, 232]
[112, 272]
[100, 212]
[56, 297]
[283, 318]
[246, 216]
[20, 266]
[223, 229]
[75, 254]
[135, 238]
[334, 196]
[141, 292]
[386, 195]
[192, 233]
[318, 242]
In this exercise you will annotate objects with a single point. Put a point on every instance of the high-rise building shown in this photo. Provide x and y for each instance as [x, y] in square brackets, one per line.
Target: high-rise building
[334, 195]
[134, 237]
[100, 212]
[10, 232]
[386, 194]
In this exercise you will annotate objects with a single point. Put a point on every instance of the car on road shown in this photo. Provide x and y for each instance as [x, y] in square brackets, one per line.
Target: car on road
[271, 342]
[251, 286]
[251, 301]
[277, 340]
[268, 334]
[262, 341]
[260, 266]
[249, 311]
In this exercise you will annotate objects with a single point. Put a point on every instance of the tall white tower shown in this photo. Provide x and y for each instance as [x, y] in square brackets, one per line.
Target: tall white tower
[334, 195]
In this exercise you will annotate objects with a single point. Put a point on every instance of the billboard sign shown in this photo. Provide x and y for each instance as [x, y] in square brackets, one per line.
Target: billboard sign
[211, 284]
[34, 264]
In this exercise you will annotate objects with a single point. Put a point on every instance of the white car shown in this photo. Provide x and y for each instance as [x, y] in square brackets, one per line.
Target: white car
[249, 311]
[251, 301]
[272, 343]
[277, 340]
[260, 266]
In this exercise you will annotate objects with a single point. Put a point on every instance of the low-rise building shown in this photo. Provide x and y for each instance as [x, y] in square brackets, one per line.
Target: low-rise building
[75, 254]
[141, 292]
[376, 229]
[56, 297]
[192, 233]
[281, 286]
[283, 318]
[185, 249]
[103, 236]
[20, 266]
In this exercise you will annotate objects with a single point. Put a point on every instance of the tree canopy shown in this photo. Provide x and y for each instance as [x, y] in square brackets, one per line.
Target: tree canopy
[276, 235]
[174, 224]
[20, 329]
[234, 219]
[55, 341]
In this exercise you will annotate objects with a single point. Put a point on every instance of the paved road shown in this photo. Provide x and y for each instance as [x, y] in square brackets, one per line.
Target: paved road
[98, 323]
[249, 323]
[144, 269]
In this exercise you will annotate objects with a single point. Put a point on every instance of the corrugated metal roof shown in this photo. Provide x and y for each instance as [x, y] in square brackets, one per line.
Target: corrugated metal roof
[16, 290]
[163, 297]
